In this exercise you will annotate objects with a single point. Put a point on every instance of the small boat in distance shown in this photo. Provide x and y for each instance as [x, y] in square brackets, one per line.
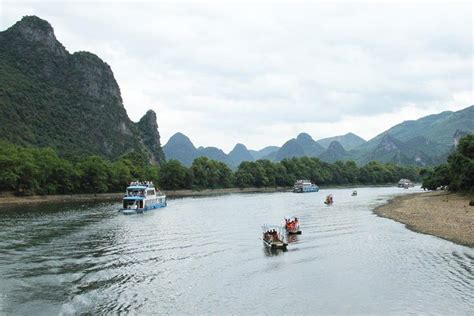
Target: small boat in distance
[273, 237]
[405, 183]
[304, 186]
[329, 200]
[354, 193]
[292, 226]
[141, 197]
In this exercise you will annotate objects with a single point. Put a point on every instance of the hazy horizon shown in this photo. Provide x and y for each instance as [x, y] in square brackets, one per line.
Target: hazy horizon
[260, 73]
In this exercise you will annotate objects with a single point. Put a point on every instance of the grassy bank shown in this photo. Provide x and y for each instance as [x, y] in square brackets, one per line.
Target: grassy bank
[9, 199]
[442, 214]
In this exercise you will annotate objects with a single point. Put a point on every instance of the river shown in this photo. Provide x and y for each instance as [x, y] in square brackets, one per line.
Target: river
[205, 255]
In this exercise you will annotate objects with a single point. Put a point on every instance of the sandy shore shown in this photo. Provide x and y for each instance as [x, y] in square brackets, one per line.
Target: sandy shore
[441, 214]
[9, 199]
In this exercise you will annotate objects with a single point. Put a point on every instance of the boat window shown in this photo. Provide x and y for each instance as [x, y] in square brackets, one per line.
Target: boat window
[133, 192]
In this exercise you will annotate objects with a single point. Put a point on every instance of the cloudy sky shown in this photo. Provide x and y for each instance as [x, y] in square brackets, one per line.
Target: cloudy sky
[260, 72]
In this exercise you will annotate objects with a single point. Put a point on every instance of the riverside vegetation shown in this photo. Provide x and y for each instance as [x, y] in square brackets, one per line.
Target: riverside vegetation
[457, 174]
[30, 170]
[443, 214]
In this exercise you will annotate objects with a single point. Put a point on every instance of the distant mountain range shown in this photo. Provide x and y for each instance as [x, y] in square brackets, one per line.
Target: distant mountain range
[72, 103]
[259, 154]
[180, 147]
[423, 142]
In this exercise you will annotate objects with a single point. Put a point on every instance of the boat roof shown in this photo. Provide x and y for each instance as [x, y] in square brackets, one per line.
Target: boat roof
[138, 187]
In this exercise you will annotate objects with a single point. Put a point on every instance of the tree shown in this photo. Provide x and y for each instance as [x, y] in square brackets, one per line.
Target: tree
[94, 175]
[9, 162]
[174, 176]
[439, 177]
[121, 175]
[458, 173]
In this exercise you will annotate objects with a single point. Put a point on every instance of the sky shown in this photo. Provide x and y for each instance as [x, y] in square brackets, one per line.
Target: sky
[261, 72]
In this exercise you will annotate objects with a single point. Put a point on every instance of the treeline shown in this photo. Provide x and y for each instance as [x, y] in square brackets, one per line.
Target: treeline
[28, 170]
[458, 173]
[263, 173]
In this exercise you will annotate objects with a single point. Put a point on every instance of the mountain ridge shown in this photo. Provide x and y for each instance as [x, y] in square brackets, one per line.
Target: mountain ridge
[334, 152]
[348, 141]
[240, 153]
[71, 102]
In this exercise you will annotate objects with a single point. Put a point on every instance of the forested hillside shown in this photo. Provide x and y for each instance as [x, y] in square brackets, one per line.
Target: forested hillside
[458, 173]
[70, 102]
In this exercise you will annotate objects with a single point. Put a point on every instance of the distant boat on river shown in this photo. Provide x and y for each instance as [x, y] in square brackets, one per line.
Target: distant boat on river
[405, 183]
[304, 186]
[141, 197]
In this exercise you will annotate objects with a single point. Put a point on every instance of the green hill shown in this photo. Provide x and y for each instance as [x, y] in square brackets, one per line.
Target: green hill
[238, 154]
[258, 154]
[179, 147]
[334, 153]
[425, 141]
[439, 128]
[71, 102]
[215, 153]
[302, 145]
[348, 141]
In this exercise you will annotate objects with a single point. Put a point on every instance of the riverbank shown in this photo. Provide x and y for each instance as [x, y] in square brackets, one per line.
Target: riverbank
[9, 199]
[442, 214]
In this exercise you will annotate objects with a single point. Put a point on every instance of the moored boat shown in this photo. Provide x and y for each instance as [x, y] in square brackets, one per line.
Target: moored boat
[405, 183]
[292, 225]
[273, 237]
[141, 197]
[305, 186]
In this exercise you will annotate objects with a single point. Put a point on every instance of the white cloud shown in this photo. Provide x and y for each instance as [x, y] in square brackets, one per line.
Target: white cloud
[260, 72]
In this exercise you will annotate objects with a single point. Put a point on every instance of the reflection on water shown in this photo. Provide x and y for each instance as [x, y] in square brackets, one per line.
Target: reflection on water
[273, 251]
[205, 255]
[292, 239]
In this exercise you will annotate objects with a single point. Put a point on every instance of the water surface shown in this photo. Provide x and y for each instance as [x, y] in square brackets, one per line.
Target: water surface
[205, 255]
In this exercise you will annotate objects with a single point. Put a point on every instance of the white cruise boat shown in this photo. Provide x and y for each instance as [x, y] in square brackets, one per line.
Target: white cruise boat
[304, 186]
[141, 197]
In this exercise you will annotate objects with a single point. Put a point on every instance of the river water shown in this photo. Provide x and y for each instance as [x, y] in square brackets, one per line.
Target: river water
[205, 255]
